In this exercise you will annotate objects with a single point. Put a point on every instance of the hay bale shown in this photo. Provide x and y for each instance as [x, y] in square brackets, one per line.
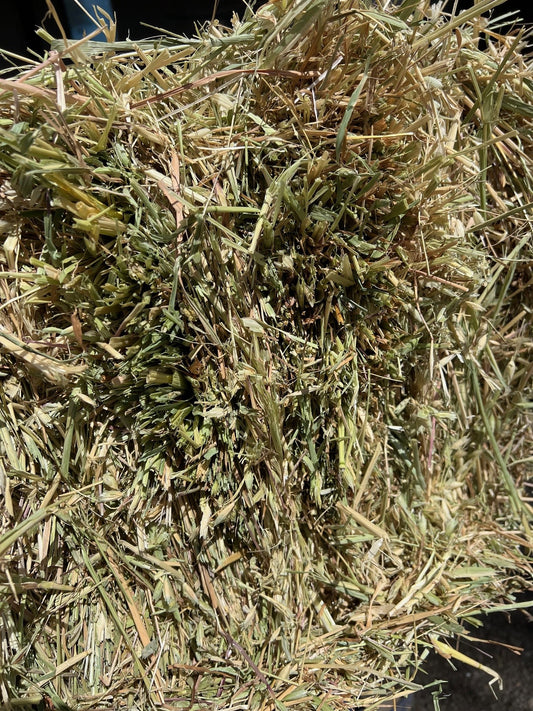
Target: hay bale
[266, 357]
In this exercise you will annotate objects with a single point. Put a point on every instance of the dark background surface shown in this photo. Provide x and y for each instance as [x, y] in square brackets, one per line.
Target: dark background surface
[504, 643]
[20, 18]
[467, 688]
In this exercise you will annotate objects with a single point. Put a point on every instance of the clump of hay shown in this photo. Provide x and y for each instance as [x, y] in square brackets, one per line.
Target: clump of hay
[266, 357]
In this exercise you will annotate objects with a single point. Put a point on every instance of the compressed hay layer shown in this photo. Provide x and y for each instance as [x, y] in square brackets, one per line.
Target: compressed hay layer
[266, 358]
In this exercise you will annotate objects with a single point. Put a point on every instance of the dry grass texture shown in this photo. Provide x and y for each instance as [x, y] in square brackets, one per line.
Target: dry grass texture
[265, 358]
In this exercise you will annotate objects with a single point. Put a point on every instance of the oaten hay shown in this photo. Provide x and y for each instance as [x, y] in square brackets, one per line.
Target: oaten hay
[265, 357]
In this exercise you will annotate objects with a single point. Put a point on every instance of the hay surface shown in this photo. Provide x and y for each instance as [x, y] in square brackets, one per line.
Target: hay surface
[265, 358]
